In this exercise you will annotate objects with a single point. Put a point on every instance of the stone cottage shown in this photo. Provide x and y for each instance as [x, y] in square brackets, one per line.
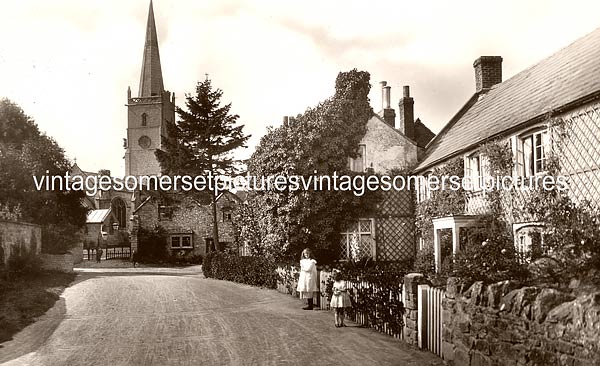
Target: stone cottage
[565, 87]
[188, 221]
[385, 147]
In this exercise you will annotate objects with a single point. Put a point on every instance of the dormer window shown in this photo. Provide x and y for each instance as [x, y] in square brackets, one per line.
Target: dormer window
[144, 120]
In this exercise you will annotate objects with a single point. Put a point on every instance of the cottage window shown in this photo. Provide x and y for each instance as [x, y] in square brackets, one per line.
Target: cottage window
[358, 240]
[359, 163]
[181, 241]
[531, 152]
[424, 193]
[165, 213]
[529, 241]
[476, 168]
[226, 216]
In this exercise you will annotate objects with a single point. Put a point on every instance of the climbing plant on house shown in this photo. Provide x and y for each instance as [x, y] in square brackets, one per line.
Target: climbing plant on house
[317, 142]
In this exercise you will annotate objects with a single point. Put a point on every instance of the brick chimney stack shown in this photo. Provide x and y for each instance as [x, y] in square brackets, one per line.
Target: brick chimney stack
[488, 72]
[406, 113]
[389, 115]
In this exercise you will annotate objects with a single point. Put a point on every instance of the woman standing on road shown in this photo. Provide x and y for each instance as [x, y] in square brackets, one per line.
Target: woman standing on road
[307, 283]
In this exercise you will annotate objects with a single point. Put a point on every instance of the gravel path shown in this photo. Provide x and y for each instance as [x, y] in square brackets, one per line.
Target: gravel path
[174, 316]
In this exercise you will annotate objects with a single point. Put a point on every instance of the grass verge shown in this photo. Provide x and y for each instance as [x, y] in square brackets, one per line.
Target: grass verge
[26, 297]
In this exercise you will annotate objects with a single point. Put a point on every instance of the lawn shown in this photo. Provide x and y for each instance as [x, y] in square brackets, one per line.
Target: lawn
[26, 297]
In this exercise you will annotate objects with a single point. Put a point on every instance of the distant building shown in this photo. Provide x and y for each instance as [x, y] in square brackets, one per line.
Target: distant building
[387, 146]
[116, 216]
[189, 222]
[150, 113]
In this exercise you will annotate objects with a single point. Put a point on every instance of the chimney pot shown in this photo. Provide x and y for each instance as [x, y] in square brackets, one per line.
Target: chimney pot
[406, 91]
[386, 97]
[389, 115]
[488, 72]
[406, 114]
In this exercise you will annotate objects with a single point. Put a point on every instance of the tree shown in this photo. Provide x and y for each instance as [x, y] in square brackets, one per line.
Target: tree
[321, 139]
[201, 142]
[26, 152]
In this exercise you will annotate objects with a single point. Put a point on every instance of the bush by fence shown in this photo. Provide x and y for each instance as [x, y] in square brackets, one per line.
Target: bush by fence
[152, 246]
[255, 271]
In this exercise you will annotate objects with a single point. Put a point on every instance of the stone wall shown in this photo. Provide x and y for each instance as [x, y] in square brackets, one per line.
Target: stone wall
[18, 235]
[57, 262]
[501, 324]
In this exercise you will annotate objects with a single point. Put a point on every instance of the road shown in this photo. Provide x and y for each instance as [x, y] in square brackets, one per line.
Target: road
[147, 316]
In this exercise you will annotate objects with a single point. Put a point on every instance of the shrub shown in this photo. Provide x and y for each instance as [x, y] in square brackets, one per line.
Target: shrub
[255, 271]
[182, 260]
[59, 239]
[381, 300]
[488, 255]
[425, 261]
[152, 246]
[24, 261]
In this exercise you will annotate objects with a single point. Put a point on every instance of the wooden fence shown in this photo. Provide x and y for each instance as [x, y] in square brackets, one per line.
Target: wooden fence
[429, 318]
[379, 317]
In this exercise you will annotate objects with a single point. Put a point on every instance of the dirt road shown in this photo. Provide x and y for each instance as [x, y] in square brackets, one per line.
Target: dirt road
[148, 316]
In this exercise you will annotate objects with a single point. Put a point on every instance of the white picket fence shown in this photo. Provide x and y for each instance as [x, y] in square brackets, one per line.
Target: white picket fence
[429, 318]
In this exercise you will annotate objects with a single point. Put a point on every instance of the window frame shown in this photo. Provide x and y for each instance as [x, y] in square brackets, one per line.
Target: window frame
[529, 145]
[180, 238]
[346, 236]
[361, 157]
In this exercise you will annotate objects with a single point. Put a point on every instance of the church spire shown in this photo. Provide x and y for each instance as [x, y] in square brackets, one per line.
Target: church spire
[151, 82]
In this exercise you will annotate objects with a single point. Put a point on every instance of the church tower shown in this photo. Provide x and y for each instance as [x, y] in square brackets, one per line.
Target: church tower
[148, 114]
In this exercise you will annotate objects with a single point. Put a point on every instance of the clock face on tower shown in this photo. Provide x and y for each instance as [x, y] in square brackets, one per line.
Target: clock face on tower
[145, 142]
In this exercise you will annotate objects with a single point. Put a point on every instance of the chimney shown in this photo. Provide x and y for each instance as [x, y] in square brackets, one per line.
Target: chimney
[389, 115]
[488, 72]
[406, 113]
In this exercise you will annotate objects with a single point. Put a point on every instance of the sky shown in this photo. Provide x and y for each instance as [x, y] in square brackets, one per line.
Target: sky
[68, 63]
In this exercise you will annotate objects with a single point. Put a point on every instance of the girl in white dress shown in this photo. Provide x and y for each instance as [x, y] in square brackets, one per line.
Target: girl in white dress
[307, 283]
[340, 298]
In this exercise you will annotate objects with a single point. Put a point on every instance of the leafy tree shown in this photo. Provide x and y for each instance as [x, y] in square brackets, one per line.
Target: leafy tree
[282, 223]
[201, 142]
[26, 152]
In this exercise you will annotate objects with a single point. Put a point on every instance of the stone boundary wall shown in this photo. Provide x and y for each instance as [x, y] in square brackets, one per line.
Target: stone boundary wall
[18, 234]
[57, 262]
[502, 324]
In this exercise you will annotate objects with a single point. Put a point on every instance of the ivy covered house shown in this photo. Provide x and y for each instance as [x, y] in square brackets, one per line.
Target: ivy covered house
[548, 112]
[387, 146]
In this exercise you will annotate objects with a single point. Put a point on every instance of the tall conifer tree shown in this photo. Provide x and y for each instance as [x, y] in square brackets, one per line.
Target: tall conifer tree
[202, 141]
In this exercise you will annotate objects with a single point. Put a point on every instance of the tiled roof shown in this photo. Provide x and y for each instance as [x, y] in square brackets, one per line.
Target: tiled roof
[97, 216]
[564, 78]
[422, 133]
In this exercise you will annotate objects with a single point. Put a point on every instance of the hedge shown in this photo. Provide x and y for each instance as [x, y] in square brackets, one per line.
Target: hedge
[255, 271]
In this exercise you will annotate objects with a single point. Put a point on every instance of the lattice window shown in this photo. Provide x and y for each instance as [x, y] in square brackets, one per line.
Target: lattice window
[358, 240]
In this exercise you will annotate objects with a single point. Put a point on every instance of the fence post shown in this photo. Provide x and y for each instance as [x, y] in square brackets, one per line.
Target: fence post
[422, 315]
[411, 283]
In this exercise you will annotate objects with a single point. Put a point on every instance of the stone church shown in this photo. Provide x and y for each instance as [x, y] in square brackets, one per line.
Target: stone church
[116, 216]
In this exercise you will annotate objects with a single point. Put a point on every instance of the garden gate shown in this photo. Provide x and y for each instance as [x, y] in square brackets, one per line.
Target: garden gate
[429, 318]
